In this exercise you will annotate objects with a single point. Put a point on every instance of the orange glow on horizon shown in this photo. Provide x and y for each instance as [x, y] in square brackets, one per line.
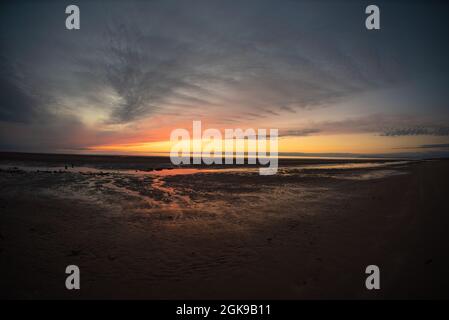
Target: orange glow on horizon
[350, 143]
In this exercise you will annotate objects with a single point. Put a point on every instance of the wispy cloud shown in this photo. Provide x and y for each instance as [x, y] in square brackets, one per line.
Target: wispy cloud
[381, 124]
[417, 131]
[438, 146]
[298, 133]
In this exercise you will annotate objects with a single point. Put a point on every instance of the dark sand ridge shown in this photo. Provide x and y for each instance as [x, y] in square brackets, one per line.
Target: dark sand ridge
[226, 235]
[142, 162]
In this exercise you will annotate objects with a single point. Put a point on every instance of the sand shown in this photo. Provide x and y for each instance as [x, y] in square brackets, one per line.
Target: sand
[226, 235]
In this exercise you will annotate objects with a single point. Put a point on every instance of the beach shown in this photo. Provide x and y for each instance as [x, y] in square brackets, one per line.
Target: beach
[141, 229]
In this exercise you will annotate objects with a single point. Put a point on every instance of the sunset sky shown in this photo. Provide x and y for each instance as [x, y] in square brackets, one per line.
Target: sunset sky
[136, 70]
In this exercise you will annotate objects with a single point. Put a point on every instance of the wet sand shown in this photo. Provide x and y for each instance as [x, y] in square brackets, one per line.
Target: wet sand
[296, 235]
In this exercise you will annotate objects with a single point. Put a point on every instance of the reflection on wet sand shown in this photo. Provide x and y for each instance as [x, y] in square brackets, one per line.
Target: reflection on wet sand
[178, 192]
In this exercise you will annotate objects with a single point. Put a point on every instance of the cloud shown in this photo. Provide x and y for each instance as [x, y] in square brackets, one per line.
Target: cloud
[417, 131]
[383, 124]
[435, 146]
[428, 146]
[171, 57]
[298, 133]
[18, 103]
[141, 79]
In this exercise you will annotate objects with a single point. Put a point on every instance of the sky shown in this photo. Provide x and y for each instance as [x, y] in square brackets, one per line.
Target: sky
[136, 70]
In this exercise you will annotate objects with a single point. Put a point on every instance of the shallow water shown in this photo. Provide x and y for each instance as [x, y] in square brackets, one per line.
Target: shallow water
[227, 196]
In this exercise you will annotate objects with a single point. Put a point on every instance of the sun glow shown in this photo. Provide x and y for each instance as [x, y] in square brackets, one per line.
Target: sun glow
[351, 143]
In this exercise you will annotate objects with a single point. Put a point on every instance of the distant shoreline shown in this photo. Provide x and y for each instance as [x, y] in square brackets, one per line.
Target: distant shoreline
[142, 162]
